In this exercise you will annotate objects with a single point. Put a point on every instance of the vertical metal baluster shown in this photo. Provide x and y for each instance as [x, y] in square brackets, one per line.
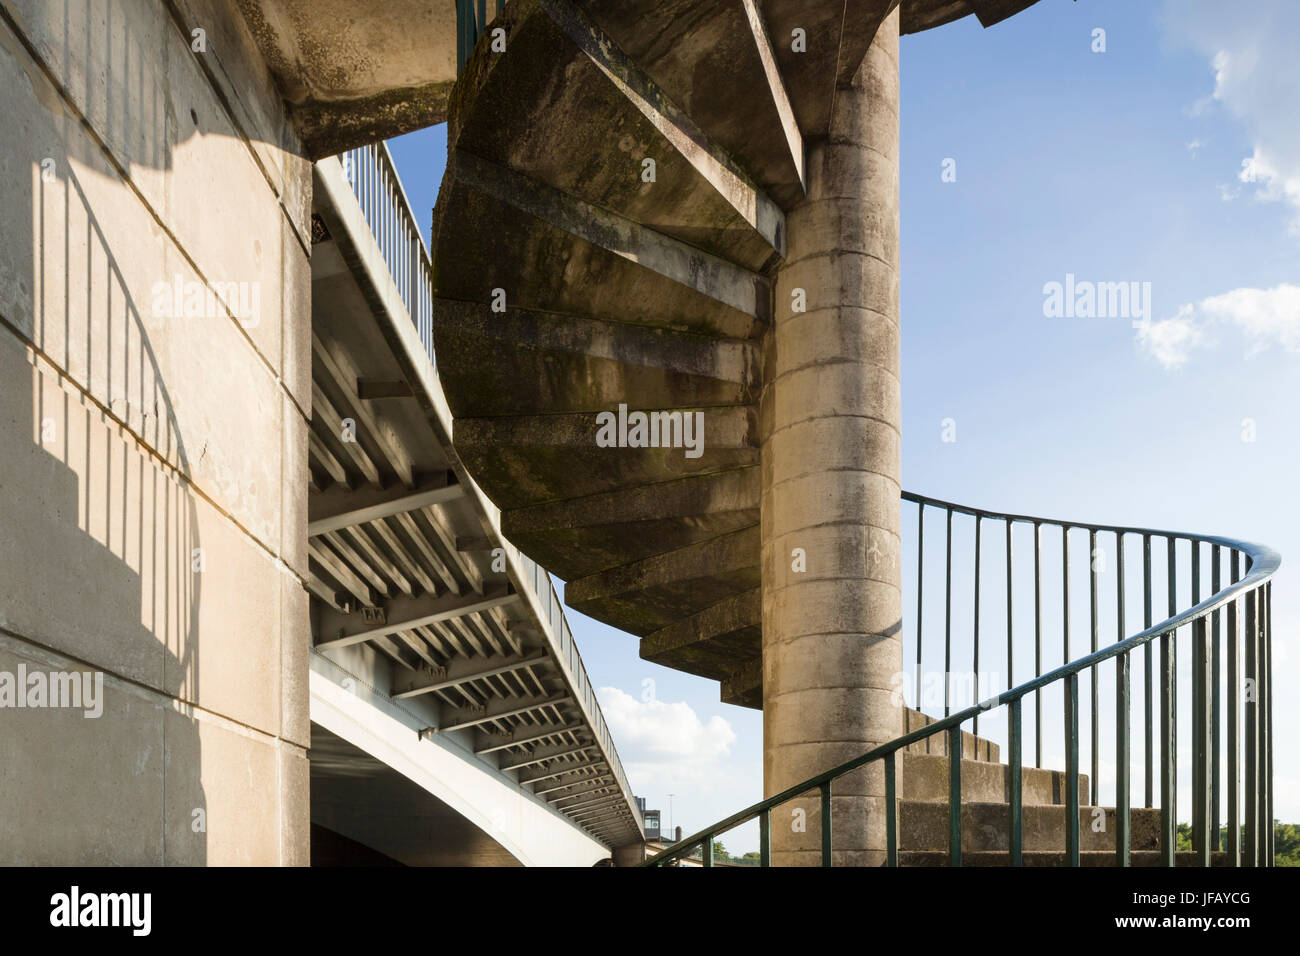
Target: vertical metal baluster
[1148, 672]
[1252, 735]
[954, 796]
[1268, 714]
[1065, 594]
[1168, 755]
[1011, 679]
[1216, 741]
[947, 623]
[1072, 770]
[920, 590]
[1234, 728]
[1200, 742]
[482, 18]
[826, 823]
[1200, 726]
[460, 34]
[765, 838]
[1173, 651]
[1123, 836]
[1265, 734]
[706, 850]
[976, 653]
[1095, 722]
[1123, 770]
[891, 812]
[1016, 772]
[1038, 645]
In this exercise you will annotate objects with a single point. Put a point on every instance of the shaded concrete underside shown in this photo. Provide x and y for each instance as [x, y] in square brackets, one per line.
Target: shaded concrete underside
[354, 72]
[410, 589]
[363, 799]
[619, 288]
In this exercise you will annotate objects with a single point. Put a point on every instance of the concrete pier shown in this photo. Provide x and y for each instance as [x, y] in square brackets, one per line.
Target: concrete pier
[830, 423]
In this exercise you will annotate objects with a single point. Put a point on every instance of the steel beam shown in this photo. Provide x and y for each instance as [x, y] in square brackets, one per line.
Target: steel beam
[461, 671]
[462, 717]
[537, 732]
[403, 614]
[336, 509]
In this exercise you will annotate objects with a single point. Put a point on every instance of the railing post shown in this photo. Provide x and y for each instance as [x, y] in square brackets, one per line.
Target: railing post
[1268, 718]
[1216, 737]
[975, 728]
[765, 838]
[1094, 691]
[1123, 836]
[1168, 753]
[920, 591]
[1016, 772]
[891, 811]
[947, 623]
[826, 823]
[1148, 671]
[1252, 849]
[1200, 742]
[954, 796]
[1234, 721]
[1038, 644]
[1072, 770]
[1011, 663]
[1173, 652]
[706, 851]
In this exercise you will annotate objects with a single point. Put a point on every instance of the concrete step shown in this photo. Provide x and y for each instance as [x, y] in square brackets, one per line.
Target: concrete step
[925, 779]
[587, 365]
[1091, 858]
[985, 827]
[567, 108]
[972, 747]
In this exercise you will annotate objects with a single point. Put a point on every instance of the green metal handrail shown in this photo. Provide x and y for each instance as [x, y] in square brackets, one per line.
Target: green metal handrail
[471, 23]
[1256, 592]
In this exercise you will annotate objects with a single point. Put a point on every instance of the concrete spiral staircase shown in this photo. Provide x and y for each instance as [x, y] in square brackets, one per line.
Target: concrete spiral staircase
[622, 290]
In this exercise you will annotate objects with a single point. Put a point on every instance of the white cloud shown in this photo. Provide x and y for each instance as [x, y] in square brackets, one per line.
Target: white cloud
[1263, 317]
[665, 744]
[1251, 50]
[1171, 341]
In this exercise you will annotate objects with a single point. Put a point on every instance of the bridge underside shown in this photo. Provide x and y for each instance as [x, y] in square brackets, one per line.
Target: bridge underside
[367, 802]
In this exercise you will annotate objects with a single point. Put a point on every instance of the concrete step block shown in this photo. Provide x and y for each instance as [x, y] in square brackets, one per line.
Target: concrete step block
[986, 827]
[925, 778]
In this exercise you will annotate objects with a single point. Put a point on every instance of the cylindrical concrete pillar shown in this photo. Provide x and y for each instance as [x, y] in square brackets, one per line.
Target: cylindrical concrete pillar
[830, 422]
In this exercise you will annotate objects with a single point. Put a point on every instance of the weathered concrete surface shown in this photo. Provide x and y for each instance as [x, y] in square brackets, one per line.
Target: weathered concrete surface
[147, 532]
[986, 827]
[983, 781]
[355, 72]
[830, 475]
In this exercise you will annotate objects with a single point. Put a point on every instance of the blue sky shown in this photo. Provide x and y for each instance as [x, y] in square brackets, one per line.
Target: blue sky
[1172, 158]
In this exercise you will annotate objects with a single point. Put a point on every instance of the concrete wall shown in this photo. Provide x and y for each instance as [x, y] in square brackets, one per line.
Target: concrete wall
[152, 463]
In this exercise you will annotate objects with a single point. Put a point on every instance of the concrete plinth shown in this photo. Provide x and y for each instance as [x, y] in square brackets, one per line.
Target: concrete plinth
[830, 422]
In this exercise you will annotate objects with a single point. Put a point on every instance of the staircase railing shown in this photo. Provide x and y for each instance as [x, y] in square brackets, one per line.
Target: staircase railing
[1216, 672]
[471, 23]
[373, 177]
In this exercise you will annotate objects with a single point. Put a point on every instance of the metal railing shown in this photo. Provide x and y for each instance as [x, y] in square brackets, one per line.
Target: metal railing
[373, 177]
[540, 580]
[1239, 611]
[471, 23]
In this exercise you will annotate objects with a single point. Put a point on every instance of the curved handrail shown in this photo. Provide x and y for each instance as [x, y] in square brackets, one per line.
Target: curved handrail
[1253, 587]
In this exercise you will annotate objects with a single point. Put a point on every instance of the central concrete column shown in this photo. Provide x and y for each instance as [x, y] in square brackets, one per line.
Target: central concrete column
[830, 421]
